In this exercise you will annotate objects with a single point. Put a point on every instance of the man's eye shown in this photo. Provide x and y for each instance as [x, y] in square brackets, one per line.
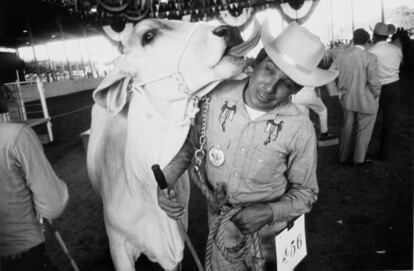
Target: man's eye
[148, 37]
[268, 70]
[288, 83]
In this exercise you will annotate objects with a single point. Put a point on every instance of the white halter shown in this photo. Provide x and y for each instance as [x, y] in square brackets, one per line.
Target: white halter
[138, 87]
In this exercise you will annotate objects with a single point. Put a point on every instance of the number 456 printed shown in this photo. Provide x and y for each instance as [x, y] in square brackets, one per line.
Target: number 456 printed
[291, 245]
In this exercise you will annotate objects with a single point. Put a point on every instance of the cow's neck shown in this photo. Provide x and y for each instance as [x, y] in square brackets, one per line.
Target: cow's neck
[167, 102]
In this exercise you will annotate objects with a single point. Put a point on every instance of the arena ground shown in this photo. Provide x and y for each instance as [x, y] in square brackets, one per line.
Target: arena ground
[363, 219]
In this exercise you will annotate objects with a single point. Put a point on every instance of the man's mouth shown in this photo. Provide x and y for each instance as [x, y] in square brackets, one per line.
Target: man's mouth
[264, 96]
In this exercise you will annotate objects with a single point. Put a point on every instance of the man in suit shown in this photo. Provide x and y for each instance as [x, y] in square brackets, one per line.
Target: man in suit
[359, 89]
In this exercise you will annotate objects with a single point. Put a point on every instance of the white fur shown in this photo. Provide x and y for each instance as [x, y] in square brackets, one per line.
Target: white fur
[127, 136]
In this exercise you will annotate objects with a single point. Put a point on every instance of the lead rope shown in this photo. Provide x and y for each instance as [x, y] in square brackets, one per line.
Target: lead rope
[216, 231]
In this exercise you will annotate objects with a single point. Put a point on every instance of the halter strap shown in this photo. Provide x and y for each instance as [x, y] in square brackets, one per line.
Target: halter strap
[190, 112]
[176, 75]
[138, 87]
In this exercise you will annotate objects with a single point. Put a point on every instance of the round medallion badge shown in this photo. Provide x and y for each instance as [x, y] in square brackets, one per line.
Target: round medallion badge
[216, 156]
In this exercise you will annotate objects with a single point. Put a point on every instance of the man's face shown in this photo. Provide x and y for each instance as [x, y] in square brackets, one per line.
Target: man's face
[269, 87]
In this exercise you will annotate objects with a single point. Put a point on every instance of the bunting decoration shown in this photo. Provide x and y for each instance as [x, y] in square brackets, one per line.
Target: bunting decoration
[237, 13]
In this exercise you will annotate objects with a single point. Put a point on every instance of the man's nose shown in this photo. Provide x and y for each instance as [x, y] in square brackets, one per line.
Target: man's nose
[230, 34]
[271, 83]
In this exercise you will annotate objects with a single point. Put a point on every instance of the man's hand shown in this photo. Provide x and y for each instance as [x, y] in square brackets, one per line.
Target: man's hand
[168, 203]
[253, 218]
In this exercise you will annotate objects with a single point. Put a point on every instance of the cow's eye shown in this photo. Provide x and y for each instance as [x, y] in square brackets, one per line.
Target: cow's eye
[148, 37]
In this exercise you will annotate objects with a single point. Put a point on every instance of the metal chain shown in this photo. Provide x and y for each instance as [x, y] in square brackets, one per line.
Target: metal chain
[200, 153]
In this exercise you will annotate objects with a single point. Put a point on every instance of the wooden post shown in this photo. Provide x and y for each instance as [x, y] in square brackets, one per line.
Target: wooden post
[81, 58]
[352, 16]
[52, 66]
[29, 30]
[62, 35]
[331, 18]
[41, 91]
[85, 36]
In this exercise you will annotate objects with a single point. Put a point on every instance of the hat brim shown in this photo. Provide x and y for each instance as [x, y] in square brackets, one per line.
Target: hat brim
[315, 78]
[312, 78]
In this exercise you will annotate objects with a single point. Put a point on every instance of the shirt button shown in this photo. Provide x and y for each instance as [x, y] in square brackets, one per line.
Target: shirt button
[236, 174]
[242, 149]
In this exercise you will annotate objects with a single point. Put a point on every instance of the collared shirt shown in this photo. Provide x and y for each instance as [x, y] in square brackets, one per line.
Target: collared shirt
[271, 159]
[389, 57]
[281, 172]
[28, 188]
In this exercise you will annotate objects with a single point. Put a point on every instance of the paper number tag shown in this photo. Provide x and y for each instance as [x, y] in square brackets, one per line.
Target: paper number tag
[291, 245]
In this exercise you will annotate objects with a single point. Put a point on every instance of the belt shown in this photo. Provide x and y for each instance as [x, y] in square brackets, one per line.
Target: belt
[13, 256]
[20, 255]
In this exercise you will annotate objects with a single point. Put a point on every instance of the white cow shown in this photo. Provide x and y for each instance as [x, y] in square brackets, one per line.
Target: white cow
[141, 118]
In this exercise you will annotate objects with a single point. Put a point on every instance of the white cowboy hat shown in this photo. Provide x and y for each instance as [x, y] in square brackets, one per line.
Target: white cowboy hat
[384, 29]
[297, 52]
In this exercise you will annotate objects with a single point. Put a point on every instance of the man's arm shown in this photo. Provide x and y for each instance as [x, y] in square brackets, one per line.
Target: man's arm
[301, 175]
[373, 76]
[173, 171]
[182, 160]
[50, 194]
[298, 199]
[331, 86]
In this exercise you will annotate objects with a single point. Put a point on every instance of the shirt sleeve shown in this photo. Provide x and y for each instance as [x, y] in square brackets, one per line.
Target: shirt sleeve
[301, 174]
[332, 86]
[373, 76]
[50, 194]
[182, 160]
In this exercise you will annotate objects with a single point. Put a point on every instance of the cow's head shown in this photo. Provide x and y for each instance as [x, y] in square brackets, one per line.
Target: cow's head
[158, 48]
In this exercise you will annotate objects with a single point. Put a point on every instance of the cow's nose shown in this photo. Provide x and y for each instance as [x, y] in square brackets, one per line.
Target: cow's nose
[230, 34]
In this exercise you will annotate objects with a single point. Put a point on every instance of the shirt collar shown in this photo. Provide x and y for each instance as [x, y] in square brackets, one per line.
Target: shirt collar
[360, 46]
[381, 42]
[287, 109]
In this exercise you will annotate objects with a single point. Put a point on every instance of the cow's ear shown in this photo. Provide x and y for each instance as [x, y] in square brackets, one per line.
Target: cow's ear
[112, 93]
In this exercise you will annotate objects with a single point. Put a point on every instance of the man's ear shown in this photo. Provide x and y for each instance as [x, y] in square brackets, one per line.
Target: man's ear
[112, 93]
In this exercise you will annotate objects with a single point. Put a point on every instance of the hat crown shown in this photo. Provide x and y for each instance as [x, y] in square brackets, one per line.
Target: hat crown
[301, 46]
[384, 29]
[297, 52]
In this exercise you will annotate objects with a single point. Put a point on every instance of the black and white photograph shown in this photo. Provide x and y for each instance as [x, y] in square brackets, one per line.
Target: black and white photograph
[206, 135]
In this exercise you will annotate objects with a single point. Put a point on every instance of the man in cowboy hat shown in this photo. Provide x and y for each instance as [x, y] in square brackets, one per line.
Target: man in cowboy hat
[359, 90]
[389, 57]
[259, 145]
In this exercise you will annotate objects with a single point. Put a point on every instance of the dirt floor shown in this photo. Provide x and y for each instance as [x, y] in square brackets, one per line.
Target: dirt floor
[363, 219]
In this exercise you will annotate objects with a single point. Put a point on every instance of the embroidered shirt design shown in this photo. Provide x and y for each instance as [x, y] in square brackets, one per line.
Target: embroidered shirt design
[272, 129]
[227, 113]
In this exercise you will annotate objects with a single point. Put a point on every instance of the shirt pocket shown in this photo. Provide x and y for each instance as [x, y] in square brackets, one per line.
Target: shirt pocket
[263, 164]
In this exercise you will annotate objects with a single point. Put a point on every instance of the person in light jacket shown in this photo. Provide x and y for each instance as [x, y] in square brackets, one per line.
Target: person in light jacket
[359, 89]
